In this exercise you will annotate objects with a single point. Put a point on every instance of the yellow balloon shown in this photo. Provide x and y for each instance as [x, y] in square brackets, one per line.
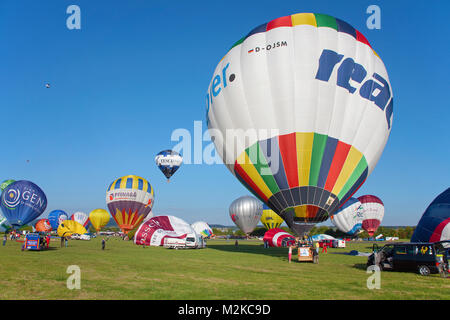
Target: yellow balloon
[69, 227]
[270, 219]
[99, 218]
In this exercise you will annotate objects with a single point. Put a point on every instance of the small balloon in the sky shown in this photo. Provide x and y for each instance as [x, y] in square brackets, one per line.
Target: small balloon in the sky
[168, 161]
[47, 85]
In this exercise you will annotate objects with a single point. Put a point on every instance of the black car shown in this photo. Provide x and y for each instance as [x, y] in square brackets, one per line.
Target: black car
[424, 258]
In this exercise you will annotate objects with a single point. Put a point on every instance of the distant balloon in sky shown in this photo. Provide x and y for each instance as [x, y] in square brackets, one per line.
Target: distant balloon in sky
[22, 201]
[202, 228]
[99, 218]
[270, 219]
[435, 223]
[47, 85]
[129, 200]
[279, 238]
[56, 217]
[349, 217]
[300, 110]
[43, 225]
[81, 217]
[373, 212]
[5, 183]
[69, 227]
[245, 213]
[155, 230]
[168, 161]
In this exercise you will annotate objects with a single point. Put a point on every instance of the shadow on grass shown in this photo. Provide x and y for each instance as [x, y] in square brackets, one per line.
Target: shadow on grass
[255, 249]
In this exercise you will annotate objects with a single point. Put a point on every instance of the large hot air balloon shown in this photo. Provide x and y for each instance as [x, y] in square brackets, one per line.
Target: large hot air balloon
[99, 218]
[435, 223]
[69, 227]
[300, 110]
[279, 238]
[43, 225]
[373, 213]
[349, 217]
[202, 228]
[5, 183]
[22, 201]
[168, 161]
[155, 230]
[56, 217]
[129, 200]
[245, 213]
[270, 219]
[82, 218]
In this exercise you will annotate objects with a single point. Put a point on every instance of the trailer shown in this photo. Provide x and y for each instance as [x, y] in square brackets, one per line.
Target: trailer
[34, 241]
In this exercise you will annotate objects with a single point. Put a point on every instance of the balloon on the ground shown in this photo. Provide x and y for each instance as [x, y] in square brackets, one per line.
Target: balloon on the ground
[99, 218]
[202, 228]
[246, 212]
[435, 223]
[129, 200]
[43, 225]
[278, 238]
[270, 219]
[5, 183]
[300, 110]
[22, 201]
[69, 227]
[133, 231]
[82, 218]
[373, 213]
[154, 231]
[4, 224]
[349, 217]
[56, 217]
[168, 161]
[322, 236]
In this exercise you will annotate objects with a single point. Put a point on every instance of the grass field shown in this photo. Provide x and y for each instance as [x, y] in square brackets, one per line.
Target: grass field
[221, 271]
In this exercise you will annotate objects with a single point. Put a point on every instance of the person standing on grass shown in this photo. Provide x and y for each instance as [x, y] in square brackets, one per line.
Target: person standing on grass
[62, 242]
[317, 247]
[324, 248]
[103, 243]
[66, 241]
[290, 253]
[5, 237]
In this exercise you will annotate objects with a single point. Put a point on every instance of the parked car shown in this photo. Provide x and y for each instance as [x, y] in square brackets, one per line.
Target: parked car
[422, 257]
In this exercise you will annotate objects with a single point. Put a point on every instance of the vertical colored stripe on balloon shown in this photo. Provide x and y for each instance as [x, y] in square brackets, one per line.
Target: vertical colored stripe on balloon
[118, 217]
[304, 152]
[129, 184]
[117, 184]
[319, 142]
[248, 183]
[271, 151]
[327, 159]
[351, 181]
[353, 158]
[304, 18]
[245, 163]
[288, 150]
[338, 162]
[140, 184]
[345, 28]
[324, 20]
[300, 212]
[279, 22]
[260, 163]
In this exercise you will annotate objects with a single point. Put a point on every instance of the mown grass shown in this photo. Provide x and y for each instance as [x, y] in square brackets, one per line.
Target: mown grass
[222, 271]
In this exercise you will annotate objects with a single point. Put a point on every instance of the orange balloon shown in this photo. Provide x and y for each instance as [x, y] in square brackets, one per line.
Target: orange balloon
[43, 225]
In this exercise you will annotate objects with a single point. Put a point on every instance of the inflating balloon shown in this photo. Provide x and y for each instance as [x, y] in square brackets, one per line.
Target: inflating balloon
[99, 218]
[129, 200]
[373, 212]
[154, 231]
[279, 238]
[69, 227]
[22, 202]
[435, 223]
[82, 218]
[56, 217]
[270, 219]
[349, 217]
[4, 224]
[245, 213]
[168, 161]
[300, 110]
[43, 225]
[202, 228]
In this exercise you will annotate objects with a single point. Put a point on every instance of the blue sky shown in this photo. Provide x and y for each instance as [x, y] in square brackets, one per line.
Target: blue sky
[137, 70]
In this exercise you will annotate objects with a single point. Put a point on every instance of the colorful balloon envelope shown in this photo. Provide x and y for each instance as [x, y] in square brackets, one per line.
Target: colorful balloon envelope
[5, 183]
[373, 212]
[22, 201]
[43, 225]
[168, 161]
[56, 217]
[435, 223]
[129, 200]
[82, 218]
[245, 213]
[202, 228]
[270, 219]
[69, 227]
[99, 218]
[300, 110]
[349, 217]
[154, 231]
[279, 238]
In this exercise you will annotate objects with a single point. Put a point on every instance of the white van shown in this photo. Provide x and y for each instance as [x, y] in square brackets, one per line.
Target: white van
[192, 241]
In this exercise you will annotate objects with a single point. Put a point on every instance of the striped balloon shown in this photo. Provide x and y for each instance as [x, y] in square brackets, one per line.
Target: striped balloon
[300, 110]
[270, 219]
[349, 217]
[129, 200]
[373, 212]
